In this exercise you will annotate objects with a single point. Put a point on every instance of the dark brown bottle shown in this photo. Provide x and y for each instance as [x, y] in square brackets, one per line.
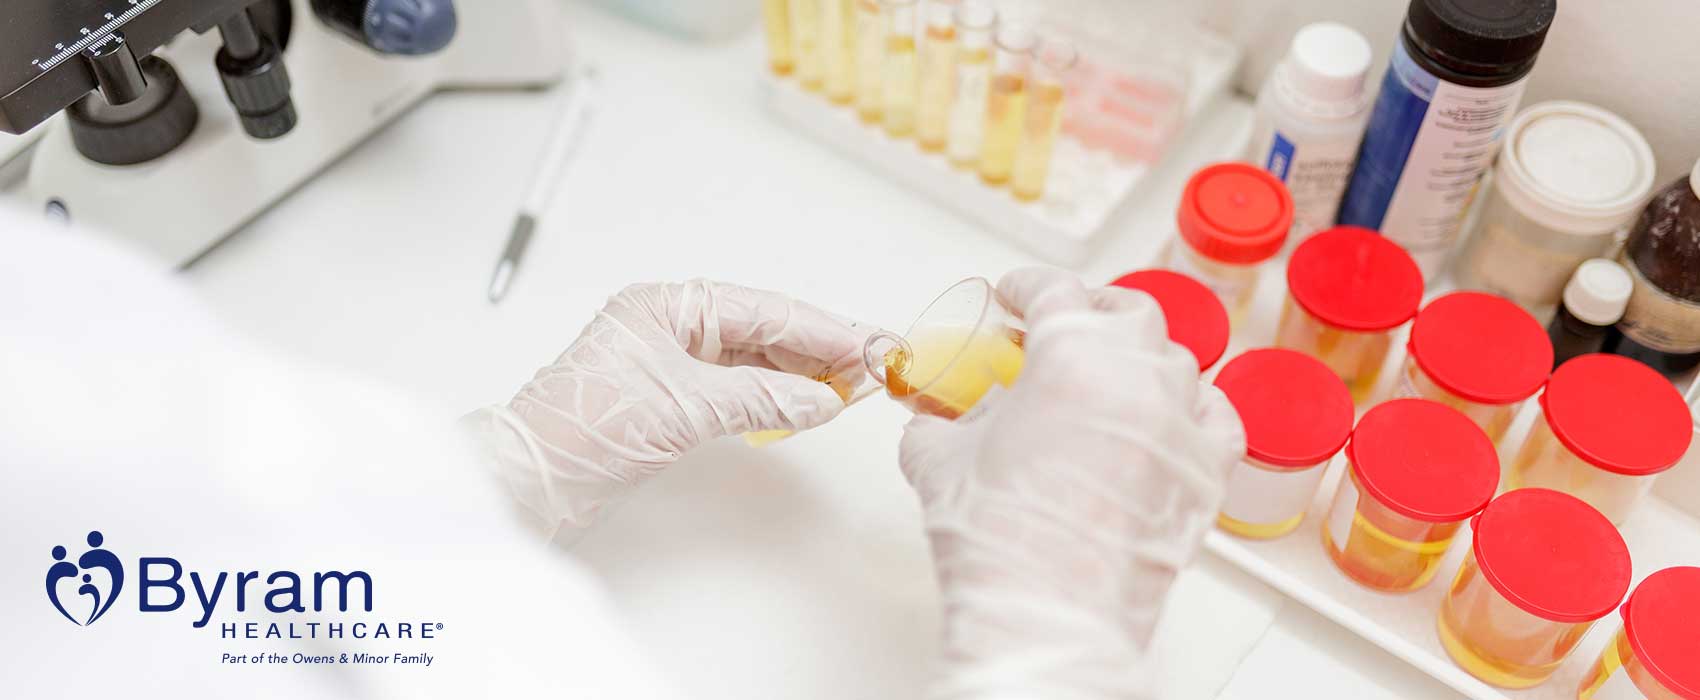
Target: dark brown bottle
[1661, 325]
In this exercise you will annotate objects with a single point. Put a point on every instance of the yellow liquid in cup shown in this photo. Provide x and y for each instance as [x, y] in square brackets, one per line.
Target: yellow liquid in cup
[946, 371]
[763, 438]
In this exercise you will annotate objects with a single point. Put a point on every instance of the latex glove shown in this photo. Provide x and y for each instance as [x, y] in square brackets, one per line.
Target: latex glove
[661, 369]
[1060, 510]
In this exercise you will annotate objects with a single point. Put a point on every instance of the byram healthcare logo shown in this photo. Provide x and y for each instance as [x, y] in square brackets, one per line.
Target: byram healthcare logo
[101, 592]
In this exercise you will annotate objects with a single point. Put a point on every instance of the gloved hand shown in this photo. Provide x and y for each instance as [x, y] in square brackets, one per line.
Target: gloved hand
[661, 369]
[1060, 510]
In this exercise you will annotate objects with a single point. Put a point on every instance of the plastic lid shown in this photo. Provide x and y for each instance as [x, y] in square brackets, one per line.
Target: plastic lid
[1235, 213]
[1599, 292]
[1197, 319]
[1575, 167]
[1486, 33]
[1424, 460]
[1618, 414]
[1659, 621]
[1356, 279]
[1481, 347]
[1327, 62]
[1297, 413]
[1552, 555]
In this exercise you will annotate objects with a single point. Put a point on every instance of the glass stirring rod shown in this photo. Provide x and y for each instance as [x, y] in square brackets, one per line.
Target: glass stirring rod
[547, 180]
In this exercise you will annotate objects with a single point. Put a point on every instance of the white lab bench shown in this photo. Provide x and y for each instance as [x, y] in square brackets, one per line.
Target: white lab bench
[796, 571]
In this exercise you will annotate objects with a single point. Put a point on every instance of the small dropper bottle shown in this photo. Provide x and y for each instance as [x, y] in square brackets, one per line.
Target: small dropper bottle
[1593, 302]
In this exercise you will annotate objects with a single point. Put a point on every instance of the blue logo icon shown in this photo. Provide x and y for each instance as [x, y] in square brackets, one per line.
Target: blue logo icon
[95, 558]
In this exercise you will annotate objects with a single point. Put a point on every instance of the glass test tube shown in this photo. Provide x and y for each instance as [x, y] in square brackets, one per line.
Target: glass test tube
[776, 15]
[838, 47]
[870, 58]
[938, 74]
[805, 37]
[1006, 107]
[899, 88]
[975, 21]
[1043, 119]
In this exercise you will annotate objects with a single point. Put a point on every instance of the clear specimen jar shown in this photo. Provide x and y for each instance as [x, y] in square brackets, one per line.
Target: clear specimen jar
[1656, 654]
[1296, 415]
[1609, 426]
[1196, 318]
[1348, 290]
[1543, 567]
[1416, 470]
[1478, 353]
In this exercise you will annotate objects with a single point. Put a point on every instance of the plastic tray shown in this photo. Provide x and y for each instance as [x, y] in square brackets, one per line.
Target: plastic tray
[1059, 232]
[1659, 535]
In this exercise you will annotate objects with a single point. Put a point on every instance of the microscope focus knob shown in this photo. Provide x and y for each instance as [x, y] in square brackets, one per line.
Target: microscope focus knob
[142, 129]
[400, 27]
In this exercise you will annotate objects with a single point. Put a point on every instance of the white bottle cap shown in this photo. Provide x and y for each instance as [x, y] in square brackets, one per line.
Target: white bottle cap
[1598, 292]
[1327, 63]
[1574, 167]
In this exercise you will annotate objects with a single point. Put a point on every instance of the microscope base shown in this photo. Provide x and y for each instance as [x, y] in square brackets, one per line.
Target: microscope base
[180, 206]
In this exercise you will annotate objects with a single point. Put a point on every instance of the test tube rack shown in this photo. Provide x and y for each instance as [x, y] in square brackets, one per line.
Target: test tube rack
[1058, 231]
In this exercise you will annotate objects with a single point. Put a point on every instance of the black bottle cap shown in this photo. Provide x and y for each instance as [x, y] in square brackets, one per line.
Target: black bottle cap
[1485, 34]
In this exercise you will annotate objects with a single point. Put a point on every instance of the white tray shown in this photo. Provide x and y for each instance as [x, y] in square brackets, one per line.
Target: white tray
[1062, 233]
[1659, 535]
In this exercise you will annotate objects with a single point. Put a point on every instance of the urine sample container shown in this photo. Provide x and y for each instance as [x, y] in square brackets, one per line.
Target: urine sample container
[1052, 63]
[1006, 104]
[806, 41]
[1232, 218]
[963, 344]
[1416, 470]
[975, 20]
[1478, 353]
[776, 18]
[870, 59]
[1296, 415]
[899, 88]
[938, 74]
[1656, 654]
[838, 49]
[1348, 290]
[1611, 425]
[1195, 317]
[1543, 567]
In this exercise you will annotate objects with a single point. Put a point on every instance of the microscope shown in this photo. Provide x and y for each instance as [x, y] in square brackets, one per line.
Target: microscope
[173, 123]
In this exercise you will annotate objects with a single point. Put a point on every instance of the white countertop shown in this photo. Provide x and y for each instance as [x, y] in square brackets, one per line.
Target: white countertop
[794, 571]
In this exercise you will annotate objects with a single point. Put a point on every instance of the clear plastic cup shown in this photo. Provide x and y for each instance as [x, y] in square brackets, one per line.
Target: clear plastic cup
[1477, 353]
[1349, 290]
[1233, 217]
[1543, 567]
[1297, 415]
[1656, 654]
[1610, 426]
[966, 342]
[1416, 470]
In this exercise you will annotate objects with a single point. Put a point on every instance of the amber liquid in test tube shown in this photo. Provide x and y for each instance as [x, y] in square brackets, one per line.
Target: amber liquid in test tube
[938, 74]
[1044, 117]
[806, 39]
[776, 16]
[1006, 108]
[975, 21]
[898, 92]
[838, 47]
[870, 58]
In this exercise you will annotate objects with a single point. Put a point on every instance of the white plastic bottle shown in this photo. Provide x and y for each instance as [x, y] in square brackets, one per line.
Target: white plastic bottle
[1310, 117]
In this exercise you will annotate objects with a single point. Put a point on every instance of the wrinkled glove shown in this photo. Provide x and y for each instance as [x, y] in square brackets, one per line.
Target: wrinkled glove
[661, 369]
[1060, 510]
